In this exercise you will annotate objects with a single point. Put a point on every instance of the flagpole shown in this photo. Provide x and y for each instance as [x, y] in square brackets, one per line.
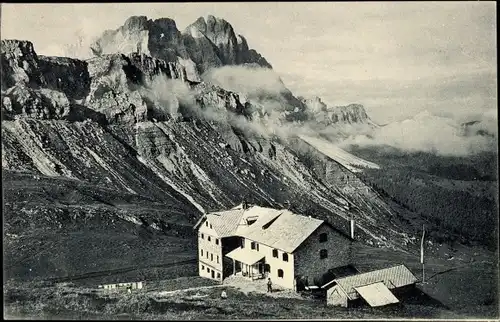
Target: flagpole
[422, 254]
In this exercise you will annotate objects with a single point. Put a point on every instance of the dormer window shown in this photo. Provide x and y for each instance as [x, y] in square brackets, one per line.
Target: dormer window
[285, 257]
[254, 245]
[251, 220]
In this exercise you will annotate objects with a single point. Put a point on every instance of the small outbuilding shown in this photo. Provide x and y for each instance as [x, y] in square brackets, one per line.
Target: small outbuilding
[375, 287]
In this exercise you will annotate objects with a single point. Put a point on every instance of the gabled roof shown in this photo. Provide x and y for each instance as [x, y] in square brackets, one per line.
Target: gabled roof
[276, 228]
[286, 232]
[392, 277]
[225, 223]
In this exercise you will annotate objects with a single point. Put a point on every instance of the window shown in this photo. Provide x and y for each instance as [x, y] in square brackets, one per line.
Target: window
[201, 250]
[254, 245]
[202, 236]
[323, 254]
[217, 259]
[285, 257]
[210, 226]
[275, 253]
[207, 254]
[206, 223]
[216, 241]
[280, 273]
[212, 257]
[202, 266]
[251, 221]
[209, 239]
[218, 275]
[323, 237]
[208, 269]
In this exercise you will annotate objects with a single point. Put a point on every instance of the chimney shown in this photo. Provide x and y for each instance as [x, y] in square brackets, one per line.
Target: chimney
[351, 220]
[244, 204]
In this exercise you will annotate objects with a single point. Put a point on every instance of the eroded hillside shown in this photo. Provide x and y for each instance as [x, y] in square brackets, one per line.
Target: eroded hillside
[155, 147]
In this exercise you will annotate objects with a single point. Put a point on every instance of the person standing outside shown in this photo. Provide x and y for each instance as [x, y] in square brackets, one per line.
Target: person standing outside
[269, 285]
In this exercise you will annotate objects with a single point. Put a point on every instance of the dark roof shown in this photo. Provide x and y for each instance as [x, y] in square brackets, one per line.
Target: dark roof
[392, 277]
[338, 272]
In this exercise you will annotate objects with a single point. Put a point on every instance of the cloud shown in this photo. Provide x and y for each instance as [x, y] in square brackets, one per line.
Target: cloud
[462, 97]
[252, 81]
[427, 132]
[169, 96]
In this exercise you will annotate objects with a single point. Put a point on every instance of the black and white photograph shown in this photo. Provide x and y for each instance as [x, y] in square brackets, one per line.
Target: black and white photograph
[250, 160]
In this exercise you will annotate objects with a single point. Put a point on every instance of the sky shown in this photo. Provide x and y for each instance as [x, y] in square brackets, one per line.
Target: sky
[398, 59]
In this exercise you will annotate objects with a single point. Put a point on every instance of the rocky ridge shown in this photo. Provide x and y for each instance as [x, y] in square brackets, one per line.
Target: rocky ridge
[349, 114]
[96, 122]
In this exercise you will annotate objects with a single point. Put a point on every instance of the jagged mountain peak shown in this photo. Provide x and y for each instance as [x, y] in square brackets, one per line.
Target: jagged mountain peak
[208, 42]
[214, 26]
[136, 22]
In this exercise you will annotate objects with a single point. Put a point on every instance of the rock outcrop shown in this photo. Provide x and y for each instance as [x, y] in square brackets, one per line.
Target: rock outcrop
[28, 89]
[342, 115]
[66, 75]
[20, 64]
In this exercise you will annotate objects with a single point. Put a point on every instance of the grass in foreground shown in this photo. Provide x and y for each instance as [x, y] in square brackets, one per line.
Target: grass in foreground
[69, 302]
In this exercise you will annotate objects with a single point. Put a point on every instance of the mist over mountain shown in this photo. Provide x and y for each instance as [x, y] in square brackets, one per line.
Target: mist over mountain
[431, 133]
[162, 125]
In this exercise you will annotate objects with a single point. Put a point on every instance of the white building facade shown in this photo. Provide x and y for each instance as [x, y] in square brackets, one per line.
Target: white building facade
[259, 242]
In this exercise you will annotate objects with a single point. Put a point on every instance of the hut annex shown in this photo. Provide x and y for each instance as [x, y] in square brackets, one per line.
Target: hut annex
[375, 287]
[257, 242]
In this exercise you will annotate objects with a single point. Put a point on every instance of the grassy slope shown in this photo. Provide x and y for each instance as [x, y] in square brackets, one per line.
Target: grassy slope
[56, 227]
[465, 291]
[148, 252]
[457, 196]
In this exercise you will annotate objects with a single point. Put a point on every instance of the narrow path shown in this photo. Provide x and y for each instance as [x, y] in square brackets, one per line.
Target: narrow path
[118, 271]
[186, 290]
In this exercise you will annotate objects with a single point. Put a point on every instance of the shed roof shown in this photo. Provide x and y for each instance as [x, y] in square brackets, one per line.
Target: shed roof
[377, 294]
[392, 277]
[245, 255]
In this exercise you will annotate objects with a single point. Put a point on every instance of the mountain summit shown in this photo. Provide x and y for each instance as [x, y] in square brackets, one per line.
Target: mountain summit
[206, 43]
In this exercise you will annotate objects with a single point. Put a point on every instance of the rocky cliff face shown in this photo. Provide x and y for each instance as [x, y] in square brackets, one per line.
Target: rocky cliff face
[141, 127]
[350, 114]
[30, 90]
[206, 43]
